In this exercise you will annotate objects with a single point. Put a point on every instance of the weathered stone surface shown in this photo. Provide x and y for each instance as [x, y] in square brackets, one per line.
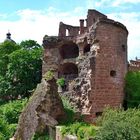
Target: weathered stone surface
[70, 137]
[50, 41]
[44, 110]
[60, 137]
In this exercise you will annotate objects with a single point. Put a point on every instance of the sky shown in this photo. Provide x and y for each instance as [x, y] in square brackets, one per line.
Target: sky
[32, 19]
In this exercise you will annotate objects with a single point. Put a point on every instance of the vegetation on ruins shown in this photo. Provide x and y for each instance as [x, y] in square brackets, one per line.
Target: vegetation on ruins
[114, 124]
[60, 81]
[69, 109]
[48, 75]
[42, 136]
[75, 125]
[82, 130]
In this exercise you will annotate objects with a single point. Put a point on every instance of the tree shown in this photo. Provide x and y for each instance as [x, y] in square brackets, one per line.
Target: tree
[29, 44]
[132, 89]
[22, 70]
[6, 48]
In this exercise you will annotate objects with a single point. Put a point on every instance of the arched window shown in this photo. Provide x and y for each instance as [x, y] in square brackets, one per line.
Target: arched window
[67, 32]
[69, 50]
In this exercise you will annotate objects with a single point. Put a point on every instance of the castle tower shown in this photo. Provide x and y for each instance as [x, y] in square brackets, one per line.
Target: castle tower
[94, 62]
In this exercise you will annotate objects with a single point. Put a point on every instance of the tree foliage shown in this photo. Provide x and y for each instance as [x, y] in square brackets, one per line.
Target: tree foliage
[20, 68]
[29, 44]
[6, 48]
[132, 89]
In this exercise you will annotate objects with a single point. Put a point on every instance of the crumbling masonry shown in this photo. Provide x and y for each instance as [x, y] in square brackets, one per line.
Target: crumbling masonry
[93, 60]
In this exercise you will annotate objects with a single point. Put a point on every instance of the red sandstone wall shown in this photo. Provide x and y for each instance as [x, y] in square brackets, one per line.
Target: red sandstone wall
[72, 30]
[93, 16]
[51, 60]
[107, 90]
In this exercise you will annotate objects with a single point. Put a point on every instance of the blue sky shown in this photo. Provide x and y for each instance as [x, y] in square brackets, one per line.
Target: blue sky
[32, 19]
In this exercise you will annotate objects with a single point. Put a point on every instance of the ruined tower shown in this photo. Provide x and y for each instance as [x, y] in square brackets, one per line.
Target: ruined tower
[92, 58]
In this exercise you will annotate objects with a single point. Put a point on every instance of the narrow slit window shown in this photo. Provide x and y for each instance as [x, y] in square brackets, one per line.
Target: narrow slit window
[123, 48]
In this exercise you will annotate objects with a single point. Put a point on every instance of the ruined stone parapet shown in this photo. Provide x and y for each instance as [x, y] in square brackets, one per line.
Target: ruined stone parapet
[68, 30]
[113, 22]
[50, 41]
[94, 15]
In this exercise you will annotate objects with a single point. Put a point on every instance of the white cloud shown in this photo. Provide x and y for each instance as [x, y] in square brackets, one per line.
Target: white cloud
[102, 3]
[120, 2]
[34, 24]
[114, 3]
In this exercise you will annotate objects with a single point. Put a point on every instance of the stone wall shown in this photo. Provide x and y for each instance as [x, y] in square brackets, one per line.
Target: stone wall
[93, 16]
[110, 67]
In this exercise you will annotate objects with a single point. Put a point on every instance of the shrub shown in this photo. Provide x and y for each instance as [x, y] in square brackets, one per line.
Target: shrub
[69, 110]
[9, 114]
[119, 125]
[4, 130]
[82, 130]
[11, 111]
[41, 136]
[60, 82]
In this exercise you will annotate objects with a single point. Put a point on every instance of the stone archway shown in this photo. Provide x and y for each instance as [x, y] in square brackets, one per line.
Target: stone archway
[68, 70]
[69, 50]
